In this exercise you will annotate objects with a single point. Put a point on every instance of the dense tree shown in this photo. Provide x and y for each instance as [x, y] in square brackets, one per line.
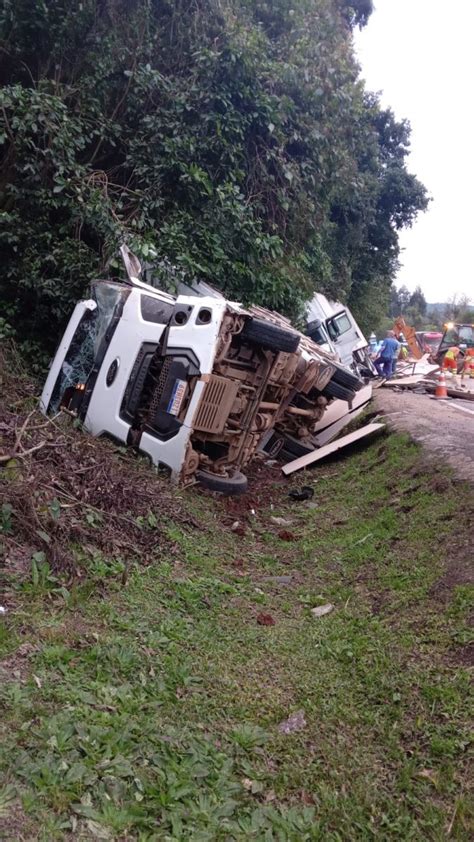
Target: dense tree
[418, 301]
[459, 308]
[357, 12]
[232, 139]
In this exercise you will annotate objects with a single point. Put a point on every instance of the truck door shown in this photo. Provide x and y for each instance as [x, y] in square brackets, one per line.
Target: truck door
[345, 336]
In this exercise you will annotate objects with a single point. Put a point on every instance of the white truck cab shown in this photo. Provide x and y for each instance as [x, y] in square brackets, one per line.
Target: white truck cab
[332, 325]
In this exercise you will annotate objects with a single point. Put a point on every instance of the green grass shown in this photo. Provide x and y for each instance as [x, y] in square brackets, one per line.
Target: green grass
[151, 712]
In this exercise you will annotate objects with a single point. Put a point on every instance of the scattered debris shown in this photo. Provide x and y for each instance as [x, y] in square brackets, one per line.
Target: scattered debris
[322, 610]
[3, 610]
[363, 540]
[280, 521]
[410, 382]
[265, 619]
[71, 488]
[316, 455]
[295, 722]
[248, 784]
[238, 528]
[299, 494]
[465, 395]
[279, 580]
[429, 775]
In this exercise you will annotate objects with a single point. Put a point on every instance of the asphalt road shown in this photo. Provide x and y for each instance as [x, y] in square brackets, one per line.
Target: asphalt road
[444, 428]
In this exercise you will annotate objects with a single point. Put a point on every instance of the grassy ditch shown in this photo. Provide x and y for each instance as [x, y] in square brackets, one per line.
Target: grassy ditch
[152, 710]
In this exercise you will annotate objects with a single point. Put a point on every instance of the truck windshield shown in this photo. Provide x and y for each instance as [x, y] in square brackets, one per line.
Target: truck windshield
[459, 335]
[89, 343]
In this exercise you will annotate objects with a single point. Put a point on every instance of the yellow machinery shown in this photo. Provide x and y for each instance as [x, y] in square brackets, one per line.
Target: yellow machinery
[400, 326]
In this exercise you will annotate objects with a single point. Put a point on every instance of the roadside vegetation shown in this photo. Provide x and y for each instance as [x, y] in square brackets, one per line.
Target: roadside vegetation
[230, 141]
[144, 682]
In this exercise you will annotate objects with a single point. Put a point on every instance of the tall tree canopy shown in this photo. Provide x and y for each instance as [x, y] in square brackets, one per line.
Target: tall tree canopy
[229, 137]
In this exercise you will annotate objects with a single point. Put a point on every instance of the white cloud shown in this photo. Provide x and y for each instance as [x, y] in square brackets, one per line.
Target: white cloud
[419, 54]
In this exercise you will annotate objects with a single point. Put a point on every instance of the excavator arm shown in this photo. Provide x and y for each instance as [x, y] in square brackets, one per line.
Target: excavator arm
[400, 326]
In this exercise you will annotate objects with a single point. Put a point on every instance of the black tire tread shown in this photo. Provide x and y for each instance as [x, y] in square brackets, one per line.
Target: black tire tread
[237, 484]
[347, 379]
[270, 336]
[335, 390]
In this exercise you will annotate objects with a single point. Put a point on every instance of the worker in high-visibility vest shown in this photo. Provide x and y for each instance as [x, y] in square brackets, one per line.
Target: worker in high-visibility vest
[468, 367]
[450, 360]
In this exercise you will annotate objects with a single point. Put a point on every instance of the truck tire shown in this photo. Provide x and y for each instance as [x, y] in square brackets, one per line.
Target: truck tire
[347, 379]
[270, 336]
[335, 390]
[237, 484]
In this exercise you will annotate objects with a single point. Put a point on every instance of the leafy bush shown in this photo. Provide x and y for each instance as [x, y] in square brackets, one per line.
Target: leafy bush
[233, 140]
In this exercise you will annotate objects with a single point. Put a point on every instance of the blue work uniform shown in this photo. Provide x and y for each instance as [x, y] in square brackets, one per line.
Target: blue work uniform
[388, 352]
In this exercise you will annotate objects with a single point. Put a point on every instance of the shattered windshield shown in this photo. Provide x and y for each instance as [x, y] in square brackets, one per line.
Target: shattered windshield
[89, 341]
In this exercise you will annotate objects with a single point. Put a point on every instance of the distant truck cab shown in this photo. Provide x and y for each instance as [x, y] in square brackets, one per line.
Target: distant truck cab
[458, 335]
[332, 326]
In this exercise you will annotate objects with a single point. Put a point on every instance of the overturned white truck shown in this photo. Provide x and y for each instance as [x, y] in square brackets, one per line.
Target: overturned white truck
[194, 382]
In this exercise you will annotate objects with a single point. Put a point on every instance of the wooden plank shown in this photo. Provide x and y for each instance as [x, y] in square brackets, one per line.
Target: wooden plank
[458, 393]
[338, 408]
[333, 429]
[316, 455]
[413, 380]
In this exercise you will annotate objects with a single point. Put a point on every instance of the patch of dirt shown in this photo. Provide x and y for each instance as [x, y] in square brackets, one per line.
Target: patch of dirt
[15, 667]
[15, 824]
[463, 656]
[379, 601]
[459, 570]
[440, 484]
[64, 488]
[264, 488]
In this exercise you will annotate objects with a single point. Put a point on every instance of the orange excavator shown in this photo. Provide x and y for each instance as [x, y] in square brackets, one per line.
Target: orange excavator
[400, 326]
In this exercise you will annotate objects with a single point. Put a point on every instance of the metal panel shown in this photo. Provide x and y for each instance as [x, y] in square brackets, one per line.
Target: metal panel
[216, 404]
[316, 455]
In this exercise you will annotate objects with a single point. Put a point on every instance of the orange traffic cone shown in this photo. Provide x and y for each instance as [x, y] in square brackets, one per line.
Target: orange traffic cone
[441, 392]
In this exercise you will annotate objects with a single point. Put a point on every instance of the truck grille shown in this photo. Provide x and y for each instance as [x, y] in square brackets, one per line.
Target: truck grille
[216, 404]
[159, 388]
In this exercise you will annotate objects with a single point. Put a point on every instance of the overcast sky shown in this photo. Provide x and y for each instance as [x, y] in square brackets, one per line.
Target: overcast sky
[420, 54]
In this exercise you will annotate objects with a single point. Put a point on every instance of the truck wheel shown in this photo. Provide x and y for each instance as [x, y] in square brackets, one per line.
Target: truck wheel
[270, 336]
[237, 484]
[335, 390]
[347, 379]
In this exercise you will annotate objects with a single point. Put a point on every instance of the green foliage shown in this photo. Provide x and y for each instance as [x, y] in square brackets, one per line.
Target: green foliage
[459, 308]
[232, 140]
[154, 711]
[412, 306]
